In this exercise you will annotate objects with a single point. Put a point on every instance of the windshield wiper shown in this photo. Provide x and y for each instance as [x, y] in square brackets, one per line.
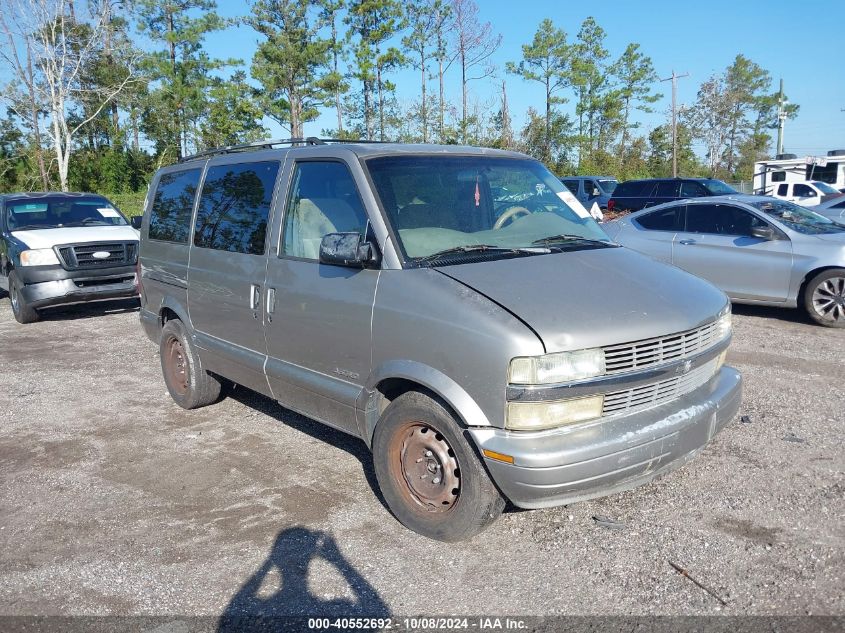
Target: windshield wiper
[568, 237]
[475, 248]
[27, 227]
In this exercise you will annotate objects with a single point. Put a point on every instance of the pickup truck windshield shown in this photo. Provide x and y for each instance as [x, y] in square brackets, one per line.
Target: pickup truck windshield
[53, 212]
[452, 204]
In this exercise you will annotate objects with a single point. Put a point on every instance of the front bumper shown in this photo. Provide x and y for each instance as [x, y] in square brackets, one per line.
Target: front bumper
[613, 454]
[46, 286]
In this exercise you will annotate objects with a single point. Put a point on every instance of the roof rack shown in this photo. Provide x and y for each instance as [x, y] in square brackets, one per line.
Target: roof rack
[270, 144]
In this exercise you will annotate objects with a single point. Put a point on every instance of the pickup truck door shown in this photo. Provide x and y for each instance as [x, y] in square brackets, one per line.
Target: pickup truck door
[318, 316]
[717, 245]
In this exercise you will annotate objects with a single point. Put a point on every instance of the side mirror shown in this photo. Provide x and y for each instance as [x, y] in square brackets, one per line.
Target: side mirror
[135, 221]
[763, 232]
[347, 249]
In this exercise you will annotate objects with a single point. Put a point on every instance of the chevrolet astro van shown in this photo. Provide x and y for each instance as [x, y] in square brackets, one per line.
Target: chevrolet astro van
[450, 306]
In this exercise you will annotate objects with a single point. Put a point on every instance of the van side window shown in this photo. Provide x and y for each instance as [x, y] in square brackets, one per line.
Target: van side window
[782, 189]
[234, 205]
[173, 205]
[323, 199]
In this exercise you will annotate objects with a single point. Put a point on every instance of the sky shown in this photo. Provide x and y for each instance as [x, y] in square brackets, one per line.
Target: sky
[699, 38]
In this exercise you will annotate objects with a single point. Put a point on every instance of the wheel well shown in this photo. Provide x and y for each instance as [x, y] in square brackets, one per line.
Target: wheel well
[166, 315]
[391, 388]
[810, 275]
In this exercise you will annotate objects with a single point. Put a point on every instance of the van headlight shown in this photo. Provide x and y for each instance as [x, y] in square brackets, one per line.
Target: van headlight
[536, 416]
[556, 368]
[39, 257]
[724, 326]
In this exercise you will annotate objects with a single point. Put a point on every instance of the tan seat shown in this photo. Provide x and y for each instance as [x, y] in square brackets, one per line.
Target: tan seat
[316, 217]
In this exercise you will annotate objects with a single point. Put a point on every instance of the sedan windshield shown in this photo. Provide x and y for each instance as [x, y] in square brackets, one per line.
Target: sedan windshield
[717, 188]
[479, 206]
[52, 212]
[798, 218]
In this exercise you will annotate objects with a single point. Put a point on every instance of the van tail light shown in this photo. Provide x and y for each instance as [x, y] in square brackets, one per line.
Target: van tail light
[611, 204]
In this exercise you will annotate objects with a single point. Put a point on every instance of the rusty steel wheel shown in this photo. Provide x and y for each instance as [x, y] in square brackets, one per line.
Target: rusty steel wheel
[189, 384]
[429, 472]
[176, 365]
[423, 459]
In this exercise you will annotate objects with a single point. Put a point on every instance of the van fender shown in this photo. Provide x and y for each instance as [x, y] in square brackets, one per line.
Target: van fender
[425, 376]
[168, 302]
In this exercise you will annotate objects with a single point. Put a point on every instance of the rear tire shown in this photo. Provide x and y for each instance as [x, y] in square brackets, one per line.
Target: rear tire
[24, 313]
[189, 384]
[824, 298]
[429, 473]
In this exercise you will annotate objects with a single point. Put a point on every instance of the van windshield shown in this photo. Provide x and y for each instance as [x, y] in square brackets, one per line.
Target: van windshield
[452, 204]
[53, 212]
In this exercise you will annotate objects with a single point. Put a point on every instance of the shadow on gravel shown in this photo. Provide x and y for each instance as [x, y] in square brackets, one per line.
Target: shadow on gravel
[277, 595]
[317, 430]
[89, 310]
[791, 315]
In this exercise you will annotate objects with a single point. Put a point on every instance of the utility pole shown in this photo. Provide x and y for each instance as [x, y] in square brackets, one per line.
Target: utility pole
[781, 118]
[674, 79]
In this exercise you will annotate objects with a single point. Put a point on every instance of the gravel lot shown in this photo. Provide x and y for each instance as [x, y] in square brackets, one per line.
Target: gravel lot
[113, 500]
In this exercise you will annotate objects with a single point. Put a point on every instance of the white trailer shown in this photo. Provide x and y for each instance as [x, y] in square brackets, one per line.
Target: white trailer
[789, 168]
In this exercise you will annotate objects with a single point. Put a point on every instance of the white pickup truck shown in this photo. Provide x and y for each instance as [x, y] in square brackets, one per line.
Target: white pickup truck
[808, 193]
[63, 248]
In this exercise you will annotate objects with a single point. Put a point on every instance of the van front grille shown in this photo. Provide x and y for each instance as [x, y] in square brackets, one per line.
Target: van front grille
[647, 396]
[84, 256]
[664, 349]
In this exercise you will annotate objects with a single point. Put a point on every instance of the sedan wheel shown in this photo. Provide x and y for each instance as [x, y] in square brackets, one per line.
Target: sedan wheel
[824, 298]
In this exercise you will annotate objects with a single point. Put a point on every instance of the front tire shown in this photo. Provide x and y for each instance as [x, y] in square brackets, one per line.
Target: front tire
[189, 384]
[429, 474]
[23, 312]
[824, 298]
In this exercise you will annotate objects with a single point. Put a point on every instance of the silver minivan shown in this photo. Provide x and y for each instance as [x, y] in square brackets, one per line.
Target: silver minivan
[448, 306]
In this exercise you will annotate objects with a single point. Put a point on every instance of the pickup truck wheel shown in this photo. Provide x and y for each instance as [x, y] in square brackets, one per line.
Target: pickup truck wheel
[429, 473]
[824, 298]
[189, 384]
[24, 313]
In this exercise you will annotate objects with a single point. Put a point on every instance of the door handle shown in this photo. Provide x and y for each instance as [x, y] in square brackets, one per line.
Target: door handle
[686, 242]
[254, 296]
[271, 300]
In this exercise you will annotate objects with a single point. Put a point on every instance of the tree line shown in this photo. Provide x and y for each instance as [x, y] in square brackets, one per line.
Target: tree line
[87, 108]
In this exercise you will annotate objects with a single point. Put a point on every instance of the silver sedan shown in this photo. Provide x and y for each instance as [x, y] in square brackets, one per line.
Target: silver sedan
[757, 249]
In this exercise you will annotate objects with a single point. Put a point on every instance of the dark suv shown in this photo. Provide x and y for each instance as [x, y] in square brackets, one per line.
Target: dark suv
[634, 195]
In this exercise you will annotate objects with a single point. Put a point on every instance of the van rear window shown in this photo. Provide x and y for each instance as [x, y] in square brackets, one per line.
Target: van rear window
[173, 204]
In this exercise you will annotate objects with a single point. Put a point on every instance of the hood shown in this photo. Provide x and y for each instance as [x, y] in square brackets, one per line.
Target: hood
[593, 298]
[48, 238]
[836, 238]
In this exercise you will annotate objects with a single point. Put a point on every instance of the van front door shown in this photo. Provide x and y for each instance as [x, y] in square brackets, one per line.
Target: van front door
[228, 265]
[318, 316]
